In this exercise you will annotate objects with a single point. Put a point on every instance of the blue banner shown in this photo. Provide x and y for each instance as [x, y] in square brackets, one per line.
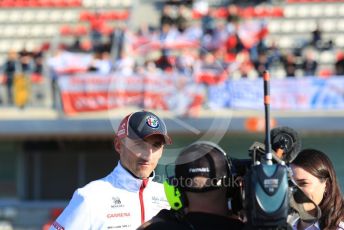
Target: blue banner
[286, 94]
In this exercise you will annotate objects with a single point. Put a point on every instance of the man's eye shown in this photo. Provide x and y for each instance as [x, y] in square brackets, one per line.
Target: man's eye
[140, 144]
[157, 145]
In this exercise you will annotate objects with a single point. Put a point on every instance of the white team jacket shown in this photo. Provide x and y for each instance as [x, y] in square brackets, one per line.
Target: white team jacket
[117, 201]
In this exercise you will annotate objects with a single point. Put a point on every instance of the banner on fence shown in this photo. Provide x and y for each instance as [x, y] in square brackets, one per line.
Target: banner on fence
[286, 94]
[94, 92]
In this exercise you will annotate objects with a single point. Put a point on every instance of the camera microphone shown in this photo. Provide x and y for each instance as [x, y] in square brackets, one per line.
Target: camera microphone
[285, 143]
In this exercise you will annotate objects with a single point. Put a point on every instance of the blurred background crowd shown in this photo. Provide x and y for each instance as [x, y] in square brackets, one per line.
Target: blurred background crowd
[208, 41]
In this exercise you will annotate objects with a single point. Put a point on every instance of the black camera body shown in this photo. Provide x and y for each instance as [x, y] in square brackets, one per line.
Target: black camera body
[267, 193]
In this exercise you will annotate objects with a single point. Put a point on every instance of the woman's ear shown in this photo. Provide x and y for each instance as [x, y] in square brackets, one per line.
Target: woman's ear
[327, 187]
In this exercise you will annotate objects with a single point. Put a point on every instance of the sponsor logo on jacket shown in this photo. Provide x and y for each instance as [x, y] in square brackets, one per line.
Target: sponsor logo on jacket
[118, 215]
[116, 202]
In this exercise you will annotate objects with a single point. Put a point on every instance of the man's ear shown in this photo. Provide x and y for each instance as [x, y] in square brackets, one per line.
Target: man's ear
[117, 145]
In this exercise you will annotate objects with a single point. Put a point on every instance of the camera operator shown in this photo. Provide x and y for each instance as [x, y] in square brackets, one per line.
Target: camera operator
[314, 174]
[203, 179]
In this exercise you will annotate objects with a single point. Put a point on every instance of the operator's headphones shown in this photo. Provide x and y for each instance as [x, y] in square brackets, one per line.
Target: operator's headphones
[193, 153]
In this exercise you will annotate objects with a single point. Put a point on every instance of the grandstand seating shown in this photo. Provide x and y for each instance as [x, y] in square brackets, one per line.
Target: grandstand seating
[301, 18]
[32, 23]
[39, 3]
[246, 12]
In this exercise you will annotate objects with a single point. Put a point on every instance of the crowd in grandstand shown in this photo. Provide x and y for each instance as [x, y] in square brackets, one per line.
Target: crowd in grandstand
[236, 41]
[20, 70]
[210, 45]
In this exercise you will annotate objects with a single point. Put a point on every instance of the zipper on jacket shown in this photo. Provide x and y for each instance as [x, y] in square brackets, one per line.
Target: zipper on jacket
[142, 205]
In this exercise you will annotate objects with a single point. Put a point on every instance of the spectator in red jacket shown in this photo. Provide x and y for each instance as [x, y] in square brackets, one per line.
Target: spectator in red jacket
[339, 65]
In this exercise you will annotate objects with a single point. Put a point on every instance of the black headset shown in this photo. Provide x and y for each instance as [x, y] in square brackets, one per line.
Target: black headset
[176, 196]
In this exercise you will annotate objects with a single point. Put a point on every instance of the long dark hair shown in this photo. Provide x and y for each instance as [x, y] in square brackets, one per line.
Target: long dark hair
[332, 205]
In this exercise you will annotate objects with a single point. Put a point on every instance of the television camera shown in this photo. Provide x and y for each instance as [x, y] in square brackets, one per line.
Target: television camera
[265, 192]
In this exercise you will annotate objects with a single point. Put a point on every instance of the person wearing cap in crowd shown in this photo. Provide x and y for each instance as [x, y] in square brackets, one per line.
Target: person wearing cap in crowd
[203, 180]
[127, 197]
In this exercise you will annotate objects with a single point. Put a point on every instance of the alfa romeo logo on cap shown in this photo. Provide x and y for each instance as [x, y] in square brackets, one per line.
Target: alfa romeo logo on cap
[152, 122]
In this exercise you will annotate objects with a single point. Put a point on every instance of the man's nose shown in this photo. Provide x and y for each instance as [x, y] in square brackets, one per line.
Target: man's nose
[147, 152]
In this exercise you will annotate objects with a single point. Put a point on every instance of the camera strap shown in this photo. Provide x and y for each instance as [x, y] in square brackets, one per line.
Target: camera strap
[296, 202]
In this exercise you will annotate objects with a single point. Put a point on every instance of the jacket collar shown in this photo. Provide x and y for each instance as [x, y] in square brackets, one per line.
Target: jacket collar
[314, 226]
[122, 178]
